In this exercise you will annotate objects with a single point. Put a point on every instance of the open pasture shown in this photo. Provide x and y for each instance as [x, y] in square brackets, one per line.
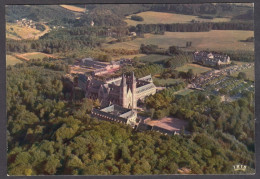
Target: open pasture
[250, 73]
[197, 69]
[73, 8]
[11, 60]
[164, 82]
[33, 55]
[153, 58]
[152, 17]
[212, 40]
[16, 32]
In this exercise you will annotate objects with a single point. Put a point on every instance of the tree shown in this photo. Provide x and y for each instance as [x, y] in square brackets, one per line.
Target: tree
[51, 165]
[174, 50]
[137, 18]
[242, 75]
[190, 74]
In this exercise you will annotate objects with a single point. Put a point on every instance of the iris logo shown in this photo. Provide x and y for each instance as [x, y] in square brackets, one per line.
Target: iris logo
[239, 167]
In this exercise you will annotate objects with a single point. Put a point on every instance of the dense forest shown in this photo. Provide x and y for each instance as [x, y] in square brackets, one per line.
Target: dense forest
[108, 14]
[48, 134]
[61, 40]
[193, 27]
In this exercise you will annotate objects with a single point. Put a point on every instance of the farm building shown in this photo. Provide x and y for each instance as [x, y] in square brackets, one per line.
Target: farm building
[211, 59]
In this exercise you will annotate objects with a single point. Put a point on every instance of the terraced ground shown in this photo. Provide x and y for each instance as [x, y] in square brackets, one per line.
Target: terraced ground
[212, 40]
[151, 17]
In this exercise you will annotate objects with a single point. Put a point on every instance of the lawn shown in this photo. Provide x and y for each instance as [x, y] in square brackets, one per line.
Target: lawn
[35, 55]
[184, 92]
[11, 60]
[250, 73]
[197, 69]
[151, 17]
[163, 82]
[213, 40]
[153, 58]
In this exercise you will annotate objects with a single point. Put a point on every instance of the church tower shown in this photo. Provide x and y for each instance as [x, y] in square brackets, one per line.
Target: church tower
[123, 92]
[133, 80]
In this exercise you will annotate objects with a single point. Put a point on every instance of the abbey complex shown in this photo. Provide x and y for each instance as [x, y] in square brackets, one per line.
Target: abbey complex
[124, 91]
[119, 96]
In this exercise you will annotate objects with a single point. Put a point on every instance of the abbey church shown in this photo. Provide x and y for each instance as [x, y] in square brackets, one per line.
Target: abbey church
[124, 91]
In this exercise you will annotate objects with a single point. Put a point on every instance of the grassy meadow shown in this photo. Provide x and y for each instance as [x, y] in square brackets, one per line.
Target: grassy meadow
[184, 92]
[153, 58]
[250, 73]
[197, 69]
[213, 40]
[11, 60]
[163, 82]
[16, 32]
[33, 55]
[151, 17]
[73, 8]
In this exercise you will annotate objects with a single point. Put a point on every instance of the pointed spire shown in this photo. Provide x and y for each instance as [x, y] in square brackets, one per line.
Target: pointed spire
[123, 81]
[133, 77]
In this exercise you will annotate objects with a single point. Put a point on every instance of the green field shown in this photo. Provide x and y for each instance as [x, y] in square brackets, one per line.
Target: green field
[250, 73]
[151, 17]
[16, 32]
[197, 69]
[184, 92]
[213, 40]
[163, 82]
[153, 58]
[36, 55]
[11, 60]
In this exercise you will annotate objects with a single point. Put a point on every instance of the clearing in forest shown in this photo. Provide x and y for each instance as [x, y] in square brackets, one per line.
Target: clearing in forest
[11, 60]
[33, 55]
[17, 32]
[152, 17]
[73, 8]
[212, 40]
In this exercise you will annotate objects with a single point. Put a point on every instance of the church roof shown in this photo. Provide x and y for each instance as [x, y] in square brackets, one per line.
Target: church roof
[145, 87]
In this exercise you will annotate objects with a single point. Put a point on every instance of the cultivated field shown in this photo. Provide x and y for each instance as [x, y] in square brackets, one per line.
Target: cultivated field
[16, 32]
[197, 69]
[151, 17]
[11, 60]
[33, 55]
[73, 8]
[213, 40]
